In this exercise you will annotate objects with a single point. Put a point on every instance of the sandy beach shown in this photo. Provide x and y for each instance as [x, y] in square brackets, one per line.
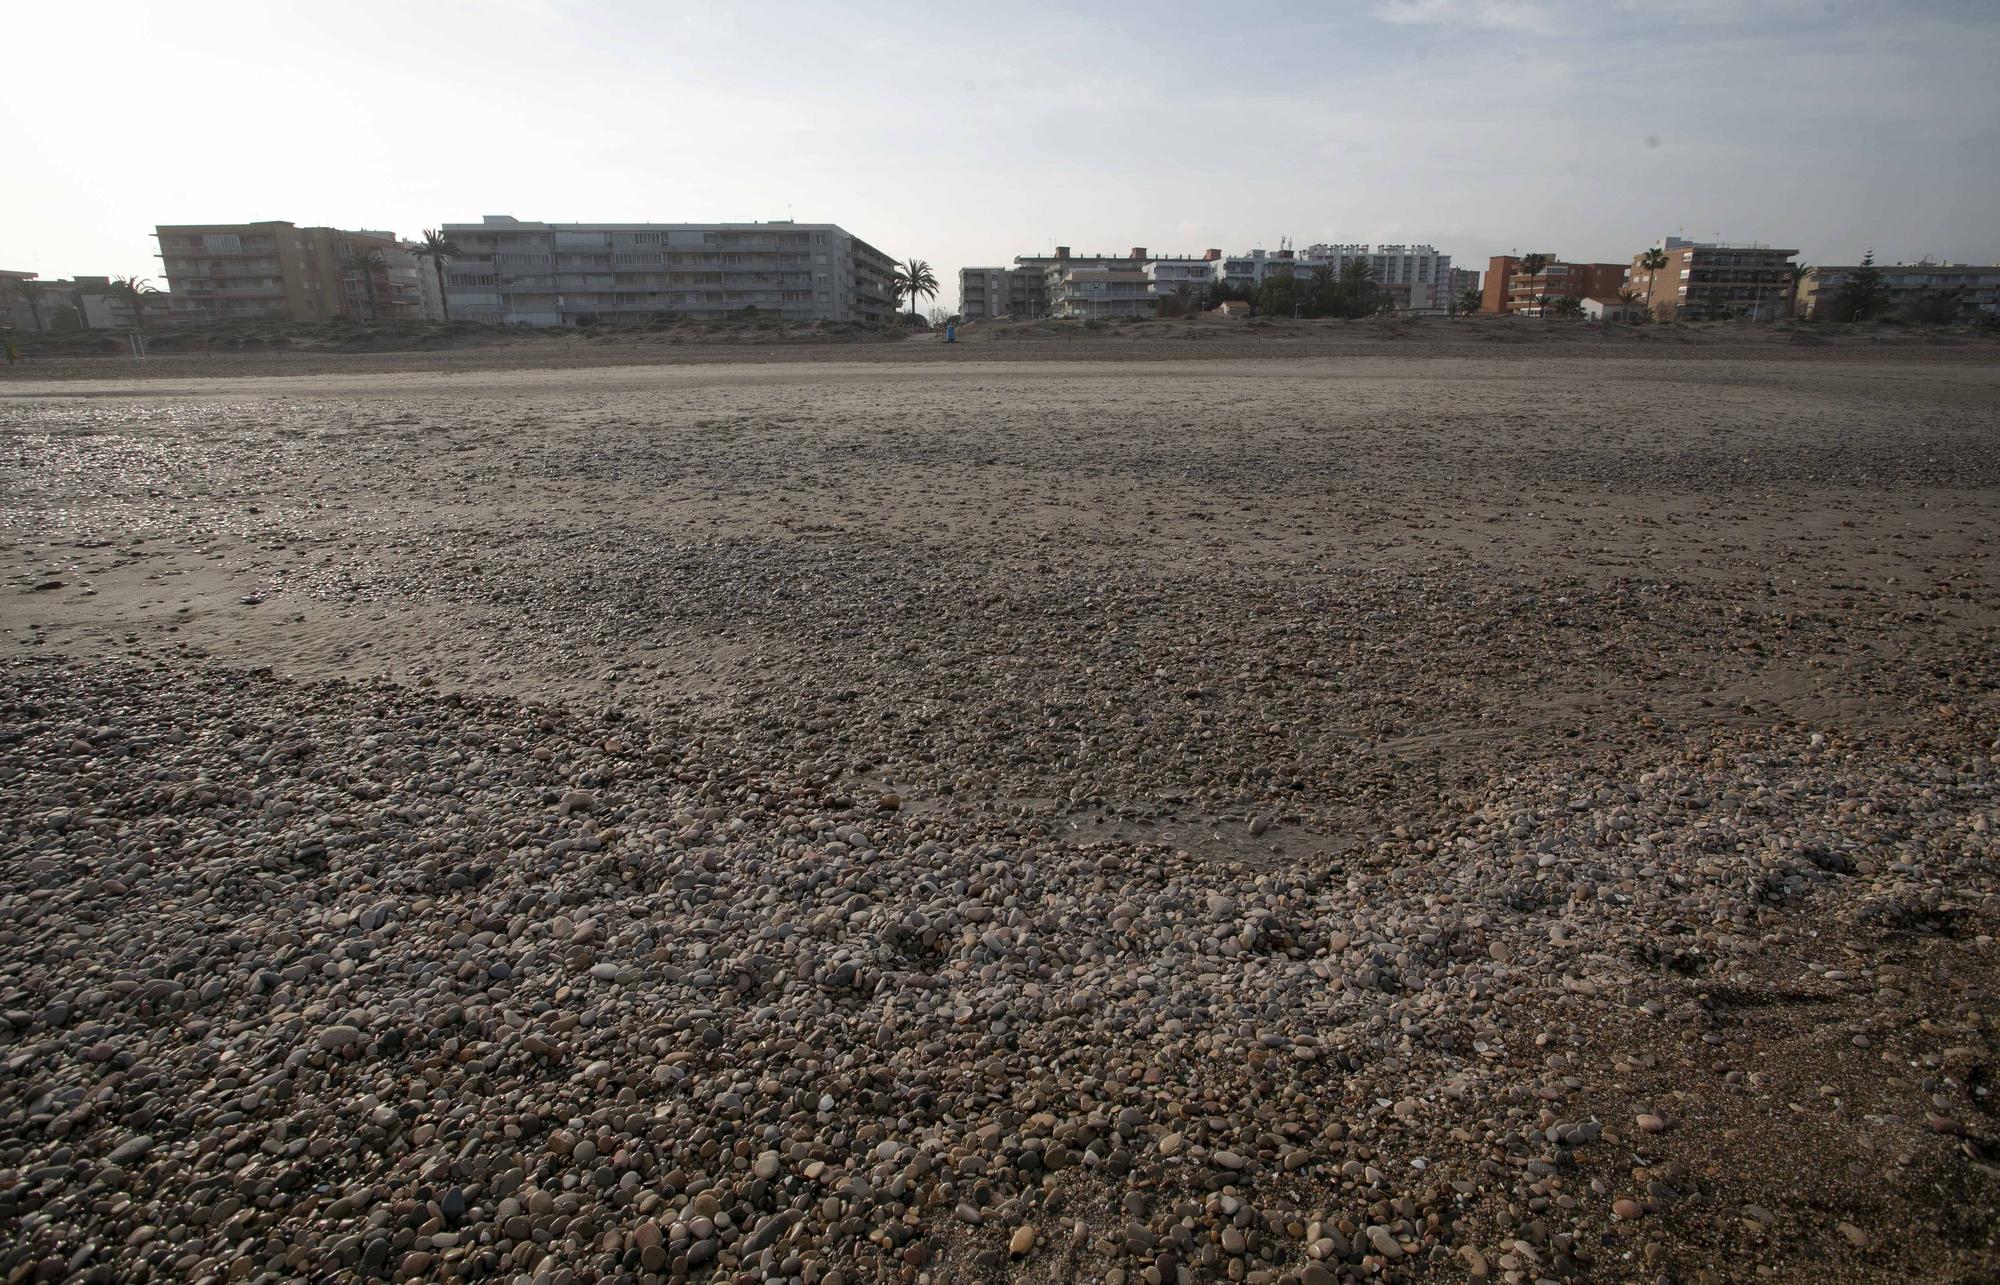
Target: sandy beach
[1315, 807]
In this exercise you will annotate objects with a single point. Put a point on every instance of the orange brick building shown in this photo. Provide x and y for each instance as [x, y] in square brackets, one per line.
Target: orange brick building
[1509, 290]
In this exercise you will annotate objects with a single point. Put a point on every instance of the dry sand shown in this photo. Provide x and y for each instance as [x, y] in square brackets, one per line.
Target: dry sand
[1357, 797]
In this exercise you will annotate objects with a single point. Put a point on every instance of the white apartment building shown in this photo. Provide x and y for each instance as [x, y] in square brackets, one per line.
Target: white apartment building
[1415, 276]
[1100, 292]
[1247, 271]
[560, 274]
[1168, 275]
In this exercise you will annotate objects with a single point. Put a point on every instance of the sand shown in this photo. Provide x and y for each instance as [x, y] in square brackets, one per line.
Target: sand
[1300, 615]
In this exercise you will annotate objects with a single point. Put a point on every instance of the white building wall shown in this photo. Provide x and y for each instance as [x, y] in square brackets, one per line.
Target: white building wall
[1165, 275]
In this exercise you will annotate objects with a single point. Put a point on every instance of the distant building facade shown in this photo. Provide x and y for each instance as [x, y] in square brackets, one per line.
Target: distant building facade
[246, 271]
[1411, 277]
[1971, 291]
[1414, 277]
[85, 303]
[1169, 274]
[516, 272]
[1509, 290]
[982, 293]
[1245, 273]
[1100, 292]
[430, 294]
[15, 314]
[1706, 280]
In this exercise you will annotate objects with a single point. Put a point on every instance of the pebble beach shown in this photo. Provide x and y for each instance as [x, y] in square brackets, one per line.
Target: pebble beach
[1430, 815]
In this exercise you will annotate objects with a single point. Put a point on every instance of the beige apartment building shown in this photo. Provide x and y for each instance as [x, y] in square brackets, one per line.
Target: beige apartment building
[1706, 280]
[274, 269]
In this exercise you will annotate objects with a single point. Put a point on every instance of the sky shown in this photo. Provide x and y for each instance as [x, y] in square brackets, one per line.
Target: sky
[967, 133]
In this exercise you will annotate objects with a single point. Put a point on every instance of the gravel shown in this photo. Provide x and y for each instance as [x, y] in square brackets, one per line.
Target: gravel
[1023, 908]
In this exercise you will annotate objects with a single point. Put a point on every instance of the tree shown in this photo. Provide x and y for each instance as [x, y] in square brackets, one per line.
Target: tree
[1321, 293]
[32, 292]
[1470, 302]
[1355, 293]
[1180, 302]
[1531, 265]
[363, 261]
[440, 250]
[1933, 307]
[1279, 296]
[133, 293]
[1567, 305]
[915, 280]
[1860, 295]
[1652, 261]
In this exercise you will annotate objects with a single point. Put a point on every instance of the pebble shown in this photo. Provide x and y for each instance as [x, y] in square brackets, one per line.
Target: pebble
[850, 901]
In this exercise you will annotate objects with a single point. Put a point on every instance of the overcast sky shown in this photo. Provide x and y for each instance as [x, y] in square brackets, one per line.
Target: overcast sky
[967, 132]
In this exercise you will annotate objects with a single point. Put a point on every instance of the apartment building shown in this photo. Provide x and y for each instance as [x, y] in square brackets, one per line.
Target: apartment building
[1413, 276]
[1168, 274]
[1100, 292]
[1509, 290]
[564, 274]
[430, 291]
[1248, 271]
[15, 314]
[982, 293]
[275, 269]
[1096, 285]
[1972, 291]
[1703, 280]
[82, 303]
[1019, 291]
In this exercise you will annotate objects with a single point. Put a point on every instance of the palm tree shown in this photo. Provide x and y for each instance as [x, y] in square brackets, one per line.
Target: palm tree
[915, 280]
[1469, 303]
[1183, 297]
[1568, 306]
[1652, 261]
[31, 291]
[1324, 278]
[1531, 265]
[133, 292]
[440, 250]
[1359, 295]
[363, 260]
